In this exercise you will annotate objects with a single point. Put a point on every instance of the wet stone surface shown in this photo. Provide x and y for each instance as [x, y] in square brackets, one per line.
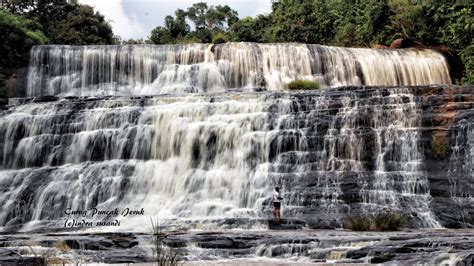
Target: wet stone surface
[423, 247]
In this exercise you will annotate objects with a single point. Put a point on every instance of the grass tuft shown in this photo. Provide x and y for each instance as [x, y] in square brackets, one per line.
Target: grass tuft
[303, 85]
[357, 223]
[386, 221]
[389, 221]
[440, 150]
[163, 255]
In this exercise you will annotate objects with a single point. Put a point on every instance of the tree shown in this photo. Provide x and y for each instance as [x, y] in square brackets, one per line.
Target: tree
[364, 24]
[197, 14]
[81, 26]
[402, 22]
[212, 18]
[209, 23]
[161, 35]
[65, 22]
[252, 29]
[18, 35]
[375, 28]
[303, 21]
[174, 29]
[453, 25]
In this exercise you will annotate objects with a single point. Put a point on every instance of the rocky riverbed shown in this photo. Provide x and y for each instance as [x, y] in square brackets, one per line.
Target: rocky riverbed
[421, 247]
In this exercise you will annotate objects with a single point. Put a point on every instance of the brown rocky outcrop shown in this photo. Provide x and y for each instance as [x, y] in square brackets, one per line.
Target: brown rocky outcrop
[406, 43]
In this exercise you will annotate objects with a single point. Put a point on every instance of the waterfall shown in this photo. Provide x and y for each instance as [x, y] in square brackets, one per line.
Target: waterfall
[461, 171]
[175, 157]
[163, 69]
[211, 160]
[399, 159]
[198, 136]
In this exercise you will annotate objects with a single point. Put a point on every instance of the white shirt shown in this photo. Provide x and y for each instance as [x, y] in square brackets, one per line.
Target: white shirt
[275, 196]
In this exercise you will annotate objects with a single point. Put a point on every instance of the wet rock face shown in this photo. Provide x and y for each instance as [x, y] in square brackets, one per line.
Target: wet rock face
[13, 82]
[397, 150]
[448, 141]
[334, 153]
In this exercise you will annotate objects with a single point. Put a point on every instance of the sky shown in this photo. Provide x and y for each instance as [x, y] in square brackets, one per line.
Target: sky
[136, 18]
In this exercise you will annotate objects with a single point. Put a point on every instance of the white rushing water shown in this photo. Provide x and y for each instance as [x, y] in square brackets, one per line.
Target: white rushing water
[162, 69]
[399, 157]
[196, 157]
[186, 136]
[209, 161]
[461, 170]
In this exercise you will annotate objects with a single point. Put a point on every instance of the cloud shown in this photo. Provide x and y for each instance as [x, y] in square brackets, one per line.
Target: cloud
[136, 18]
[123, 24]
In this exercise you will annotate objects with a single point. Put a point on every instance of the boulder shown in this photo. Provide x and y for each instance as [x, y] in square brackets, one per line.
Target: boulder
[406, 43]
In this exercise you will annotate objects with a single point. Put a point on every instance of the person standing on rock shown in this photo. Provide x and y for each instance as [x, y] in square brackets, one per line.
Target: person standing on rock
[276, 198]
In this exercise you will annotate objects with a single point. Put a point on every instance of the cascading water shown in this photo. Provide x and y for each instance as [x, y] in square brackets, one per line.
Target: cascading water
[175, 157]
[210, 159]
[398, 159]
[151, 69]
[199, 160]
[461, 171]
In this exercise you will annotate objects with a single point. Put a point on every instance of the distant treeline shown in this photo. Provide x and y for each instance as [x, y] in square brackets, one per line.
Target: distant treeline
[353, 23]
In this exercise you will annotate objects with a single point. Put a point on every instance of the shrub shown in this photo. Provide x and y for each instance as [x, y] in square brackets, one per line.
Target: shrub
[62, 246]
[188, 40]
[440, 150]
[303, 85]
[389, 221]
[382, 222]
[357, 223]
[219, 38]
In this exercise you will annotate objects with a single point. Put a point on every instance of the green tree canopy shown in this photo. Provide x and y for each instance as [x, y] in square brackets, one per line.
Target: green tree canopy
[80, 26]
[18, 35]
[252, 29]
[174, 29]
[207, 22]
[64, 22]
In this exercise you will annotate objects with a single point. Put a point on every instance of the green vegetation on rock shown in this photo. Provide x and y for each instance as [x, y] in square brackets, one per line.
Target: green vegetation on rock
[386, 221]
[439, 149]
[389, 221]
[357, 223]
[303, 85]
